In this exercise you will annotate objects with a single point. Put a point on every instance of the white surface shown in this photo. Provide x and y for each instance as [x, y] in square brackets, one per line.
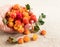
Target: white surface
[52, 23]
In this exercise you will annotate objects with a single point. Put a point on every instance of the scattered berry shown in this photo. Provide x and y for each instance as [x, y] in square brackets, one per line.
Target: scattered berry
[43, 32]
[26, 39]
[20, 41]
[35, 36]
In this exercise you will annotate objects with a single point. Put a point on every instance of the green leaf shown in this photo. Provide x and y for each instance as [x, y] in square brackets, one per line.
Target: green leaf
[28, 7]
[4, 21]
[43, 15]
[40, 19]
[36, 28]
[12, 40]
[41, 22]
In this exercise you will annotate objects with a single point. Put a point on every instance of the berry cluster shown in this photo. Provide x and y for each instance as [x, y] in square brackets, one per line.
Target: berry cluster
[18, 17]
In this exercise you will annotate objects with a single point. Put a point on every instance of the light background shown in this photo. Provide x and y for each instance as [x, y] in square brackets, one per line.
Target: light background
[52, 22]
